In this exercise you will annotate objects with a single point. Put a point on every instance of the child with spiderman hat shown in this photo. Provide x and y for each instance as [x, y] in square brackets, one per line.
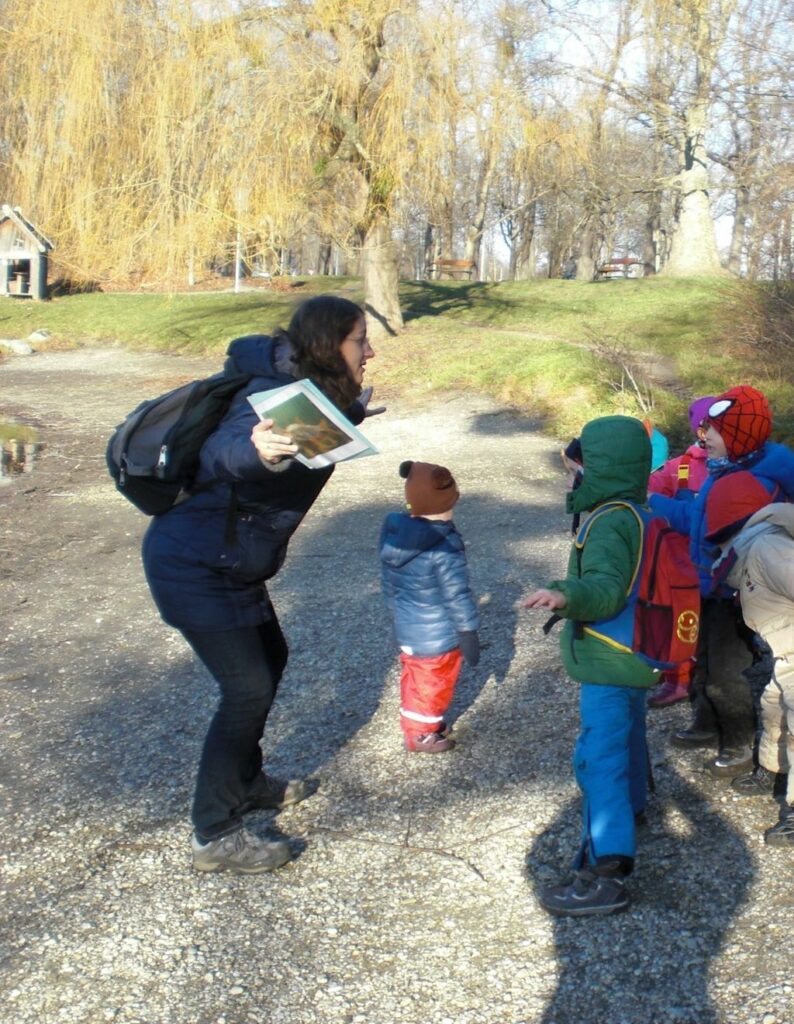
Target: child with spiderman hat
[426, 586]
[738, 425]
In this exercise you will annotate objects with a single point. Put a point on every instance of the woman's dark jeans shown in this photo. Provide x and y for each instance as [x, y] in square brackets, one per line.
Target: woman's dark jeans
[247, 665]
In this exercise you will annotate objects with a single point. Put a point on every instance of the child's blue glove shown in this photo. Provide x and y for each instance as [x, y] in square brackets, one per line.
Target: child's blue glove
[469, 643]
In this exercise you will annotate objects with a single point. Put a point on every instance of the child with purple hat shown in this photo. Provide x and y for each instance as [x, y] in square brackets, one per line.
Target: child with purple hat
[681, 478]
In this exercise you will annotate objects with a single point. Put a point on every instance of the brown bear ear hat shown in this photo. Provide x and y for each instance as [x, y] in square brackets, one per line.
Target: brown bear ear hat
[732, 500]
[429, 489]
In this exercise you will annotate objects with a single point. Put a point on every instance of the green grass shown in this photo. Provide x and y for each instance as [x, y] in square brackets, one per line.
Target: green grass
[10, 430]
[196, 324]
[540, 346]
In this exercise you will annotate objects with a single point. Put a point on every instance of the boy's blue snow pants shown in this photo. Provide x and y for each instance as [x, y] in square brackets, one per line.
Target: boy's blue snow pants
[611, 766]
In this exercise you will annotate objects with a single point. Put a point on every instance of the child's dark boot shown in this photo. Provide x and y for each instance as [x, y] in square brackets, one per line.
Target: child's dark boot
[595, 890]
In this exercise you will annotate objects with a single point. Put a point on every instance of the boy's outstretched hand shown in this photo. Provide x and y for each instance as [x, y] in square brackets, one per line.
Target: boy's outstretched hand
[551, 599]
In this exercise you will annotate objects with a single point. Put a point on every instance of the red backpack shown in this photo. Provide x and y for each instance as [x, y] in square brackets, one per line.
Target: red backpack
[660, 619]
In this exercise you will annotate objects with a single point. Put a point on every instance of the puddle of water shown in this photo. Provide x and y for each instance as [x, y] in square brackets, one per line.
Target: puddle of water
[19, 448]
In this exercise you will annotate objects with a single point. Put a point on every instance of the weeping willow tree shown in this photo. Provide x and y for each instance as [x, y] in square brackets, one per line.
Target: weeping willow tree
[134, 132]
[114, 132]
[145, 135]
[354, 90]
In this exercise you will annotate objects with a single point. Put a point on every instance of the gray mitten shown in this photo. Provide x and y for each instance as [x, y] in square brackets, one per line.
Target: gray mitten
[364, 399]
[469, 643]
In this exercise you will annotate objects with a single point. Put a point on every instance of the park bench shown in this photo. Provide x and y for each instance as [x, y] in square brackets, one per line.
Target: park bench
[621, 267]
[456, 269]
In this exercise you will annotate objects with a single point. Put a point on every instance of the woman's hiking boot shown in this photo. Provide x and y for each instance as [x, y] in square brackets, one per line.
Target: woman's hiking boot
[783, 833]
[587, 894]
[241, 852]
[428, 742]
[759, 782]
[731, 761]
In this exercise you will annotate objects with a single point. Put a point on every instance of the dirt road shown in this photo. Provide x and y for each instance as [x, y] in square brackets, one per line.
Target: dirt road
[411, 898]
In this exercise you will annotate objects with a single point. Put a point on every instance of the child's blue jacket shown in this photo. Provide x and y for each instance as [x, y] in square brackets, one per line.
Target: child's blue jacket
[773, 465]
[426, 583]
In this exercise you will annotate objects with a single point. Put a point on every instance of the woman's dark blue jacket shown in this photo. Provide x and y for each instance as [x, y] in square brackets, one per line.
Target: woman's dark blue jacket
[202, 574]
[426, 583]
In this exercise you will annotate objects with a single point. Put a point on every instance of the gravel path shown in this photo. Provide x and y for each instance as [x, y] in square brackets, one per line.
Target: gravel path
[411, 899]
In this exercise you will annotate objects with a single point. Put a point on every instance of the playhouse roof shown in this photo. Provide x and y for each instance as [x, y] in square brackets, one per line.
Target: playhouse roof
[23, 225]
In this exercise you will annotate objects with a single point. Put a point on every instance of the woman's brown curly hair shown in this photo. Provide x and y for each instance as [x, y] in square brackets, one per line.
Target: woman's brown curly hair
[317, 329]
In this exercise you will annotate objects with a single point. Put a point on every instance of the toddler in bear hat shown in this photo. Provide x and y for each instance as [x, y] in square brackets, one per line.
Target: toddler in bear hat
[429, 490]
[426, 586]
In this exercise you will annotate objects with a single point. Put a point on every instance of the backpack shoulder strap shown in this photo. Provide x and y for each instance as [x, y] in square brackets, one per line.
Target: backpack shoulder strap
[611, 506]
[682, 476]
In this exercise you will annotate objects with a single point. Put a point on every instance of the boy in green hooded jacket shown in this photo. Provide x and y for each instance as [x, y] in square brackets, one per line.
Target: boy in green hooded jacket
[610, 759]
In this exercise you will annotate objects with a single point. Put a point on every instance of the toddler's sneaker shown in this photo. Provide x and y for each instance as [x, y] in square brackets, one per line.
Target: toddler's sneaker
[241, 852]
[667, 693]
[588, 894]
[428, 743]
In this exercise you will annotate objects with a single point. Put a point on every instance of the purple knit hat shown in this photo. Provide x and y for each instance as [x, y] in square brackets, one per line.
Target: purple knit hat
[699, 410]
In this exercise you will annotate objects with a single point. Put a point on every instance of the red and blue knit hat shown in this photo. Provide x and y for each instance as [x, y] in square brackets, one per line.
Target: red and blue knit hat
[743, 420]
[732, 500]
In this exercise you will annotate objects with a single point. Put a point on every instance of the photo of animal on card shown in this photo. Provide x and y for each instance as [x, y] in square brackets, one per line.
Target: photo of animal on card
[323, 435]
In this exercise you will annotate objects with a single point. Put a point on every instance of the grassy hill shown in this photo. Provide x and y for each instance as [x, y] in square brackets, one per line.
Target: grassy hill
[561, 351]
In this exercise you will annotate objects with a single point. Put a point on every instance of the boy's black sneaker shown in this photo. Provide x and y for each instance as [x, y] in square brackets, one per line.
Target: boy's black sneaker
[783, 833]
[588, 894]
[731, 761]
[759, 782]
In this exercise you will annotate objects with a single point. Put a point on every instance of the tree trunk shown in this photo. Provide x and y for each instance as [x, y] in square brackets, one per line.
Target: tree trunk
[740, 218]
[381, 280]
[428, 256]
[693, 249]
[324, 258]
[650, 238]
[447, 239]
[585, 263]
[474, 230]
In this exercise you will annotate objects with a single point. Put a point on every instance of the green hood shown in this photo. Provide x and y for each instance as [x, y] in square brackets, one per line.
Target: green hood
[616, 454]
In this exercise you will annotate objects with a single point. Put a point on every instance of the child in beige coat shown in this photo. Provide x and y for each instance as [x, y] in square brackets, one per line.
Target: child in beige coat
[757, 540]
